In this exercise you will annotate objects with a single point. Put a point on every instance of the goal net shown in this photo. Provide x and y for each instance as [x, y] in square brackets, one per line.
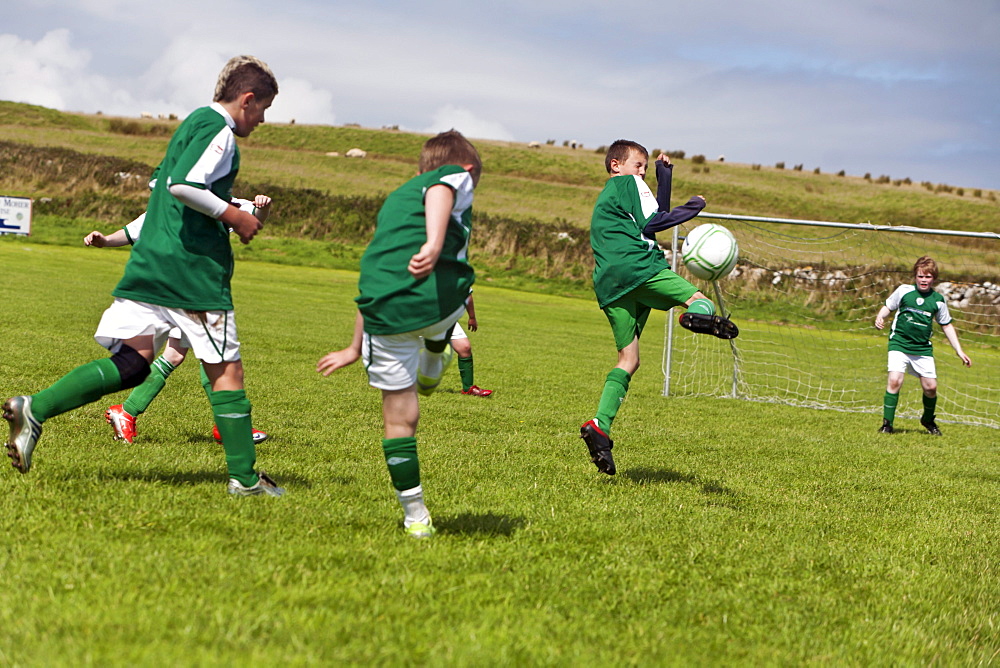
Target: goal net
[805, 295]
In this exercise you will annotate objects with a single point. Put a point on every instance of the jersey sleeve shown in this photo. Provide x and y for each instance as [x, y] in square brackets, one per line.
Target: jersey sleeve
[207, 158]
[892, 303]
[134, 229]
[942, 315]
[461, 183]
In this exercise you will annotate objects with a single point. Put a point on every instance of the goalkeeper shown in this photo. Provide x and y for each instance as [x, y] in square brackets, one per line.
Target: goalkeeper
[917, 307]
[632, 277]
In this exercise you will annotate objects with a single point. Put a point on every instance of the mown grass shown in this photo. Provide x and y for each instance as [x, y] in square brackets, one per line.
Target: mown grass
[735, 533]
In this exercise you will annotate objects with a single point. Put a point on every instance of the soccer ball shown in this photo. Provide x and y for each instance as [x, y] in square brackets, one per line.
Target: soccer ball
[710, 252]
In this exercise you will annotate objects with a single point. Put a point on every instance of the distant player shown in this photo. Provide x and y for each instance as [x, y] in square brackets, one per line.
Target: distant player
[179, 276]
[415, 279]
[122, 417]
[917, 307]
[463, 350]
[631, 276]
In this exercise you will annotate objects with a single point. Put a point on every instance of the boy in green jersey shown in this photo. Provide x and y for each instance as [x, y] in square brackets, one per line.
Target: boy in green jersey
[415, 278]
[632, 277]
[122, 417]
[178, 277]
[917, 307]
[463, 350]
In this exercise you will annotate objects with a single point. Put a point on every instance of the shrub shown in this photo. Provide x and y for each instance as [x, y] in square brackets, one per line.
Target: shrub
[779, 165]
[868, 176]
[797, 168]
[816, 171]
[698, 159]
[978, 192]
[601, 149]
[755, 167]
[842, 173]
[676, 155]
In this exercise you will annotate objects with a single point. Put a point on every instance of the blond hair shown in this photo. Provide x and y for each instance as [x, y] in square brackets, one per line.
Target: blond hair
[245, 74]
[450, 148]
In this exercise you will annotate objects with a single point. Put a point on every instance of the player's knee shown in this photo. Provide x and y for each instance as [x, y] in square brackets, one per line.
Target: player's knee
[132, 367]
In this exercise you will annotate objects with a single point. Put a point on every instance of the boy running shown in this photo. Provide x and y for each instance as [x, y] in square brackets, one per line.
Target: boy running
[415, 278]
[122, 417]
[179, 276]
[917, 307]
[632, 277]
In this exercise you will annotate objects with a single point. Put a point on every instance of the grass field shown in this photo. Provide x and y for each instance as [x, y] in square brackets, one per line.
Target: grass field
[735, 533]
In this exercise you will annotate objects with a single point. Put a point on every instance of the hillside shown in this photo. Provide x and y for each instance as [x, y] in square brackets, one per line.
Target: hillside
[533, 204]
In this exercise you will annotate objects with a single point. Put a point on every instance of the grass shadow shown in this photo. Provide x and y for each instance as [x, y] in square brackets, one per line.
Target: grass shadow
[488, 524]
[185, 478]
[719, 494]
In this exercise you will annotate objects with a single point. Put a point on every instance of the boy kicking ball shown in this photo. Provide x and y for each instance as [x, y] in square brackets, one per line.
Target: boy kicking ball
[917, 307]
[631, 277]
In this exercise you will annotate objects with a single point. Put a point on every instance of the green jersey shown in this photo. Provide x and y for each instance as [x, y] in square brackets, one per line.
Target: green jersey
[915, 313]
[624, 258]
[184, 259]
[391, 300]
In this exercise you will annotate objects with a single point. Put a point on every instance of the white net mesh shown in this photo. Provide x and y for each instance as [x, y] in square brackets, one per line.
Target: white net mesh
[805, 299]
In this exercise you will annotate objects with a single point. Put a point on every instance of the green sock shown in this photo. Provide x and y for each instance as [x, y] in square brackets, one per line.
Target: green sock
[141, 397]
[465, 371]
[401, 458]
[79, 387]
[701, 306]
[930, 403]
[232, 415]
[889, 406]
[206, 384]
[615, 389]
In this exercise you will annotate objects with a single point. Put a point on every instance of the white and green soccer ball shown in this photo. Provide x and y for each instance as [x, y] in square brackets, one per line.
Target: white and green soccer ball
[710, 252]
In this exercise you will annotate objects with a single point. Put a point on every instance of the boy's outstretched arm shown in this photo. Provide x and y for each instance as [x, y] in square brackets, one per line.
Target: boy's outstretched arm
[438, 203]
[952, 336]
[262, 207]
[340, 358]
[666, 218]
[113, 240]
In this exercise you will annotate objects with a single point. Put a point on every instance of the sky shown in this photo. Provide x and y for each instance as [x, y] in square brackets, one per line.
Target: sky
[904, 88]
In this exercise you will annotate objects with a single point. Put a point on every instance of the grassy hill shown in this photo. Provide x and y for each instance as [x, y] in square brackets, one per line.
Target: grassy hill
[533, 205]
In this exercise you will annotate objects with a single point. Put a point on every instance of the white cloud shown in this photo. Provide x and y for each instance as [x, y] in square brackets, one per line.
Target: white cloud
[463, 120]
[48, 72]
[300, 100]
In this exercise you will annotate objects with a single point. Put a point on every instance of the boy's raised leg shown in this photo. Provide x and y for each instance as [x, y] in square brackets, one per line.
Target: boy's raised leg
[701, 319]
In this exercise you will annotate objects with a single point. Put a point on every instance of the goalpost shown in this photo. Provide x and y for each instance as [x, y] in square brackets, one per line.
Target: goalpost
[805, 294]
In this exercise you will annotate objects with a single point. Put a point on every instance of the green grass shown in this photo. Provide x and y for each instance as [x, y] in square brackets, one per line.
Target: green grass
[735, 533]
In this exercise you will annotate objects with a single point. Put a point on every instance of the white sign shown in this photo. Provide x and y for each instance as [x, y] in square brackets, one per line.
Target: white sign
[15, 215]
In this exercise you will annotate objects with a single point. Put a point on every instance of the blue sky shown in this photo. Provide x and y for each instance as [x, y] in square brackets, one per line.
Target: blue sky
[906, 89]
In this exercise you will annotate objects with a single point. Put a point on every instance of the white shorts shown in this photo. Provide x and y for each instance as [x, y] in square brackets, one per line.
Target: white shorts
[921, 366]
[458, 333]
[391, 359]
[210, 334]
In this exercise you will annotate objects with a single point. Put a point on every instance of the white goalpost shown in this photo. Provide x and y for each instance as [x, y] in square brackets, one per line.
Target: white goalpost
[804, 295]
